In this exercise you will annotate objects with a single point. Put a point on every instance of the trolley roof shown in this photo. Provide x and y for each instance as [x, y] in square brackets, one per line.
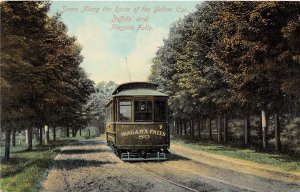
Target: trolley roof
[141, 92]
[137, 89]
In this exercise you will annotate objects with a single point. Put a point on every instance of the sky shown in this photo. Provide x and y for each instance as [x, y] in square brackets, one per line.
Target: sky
[112, 31]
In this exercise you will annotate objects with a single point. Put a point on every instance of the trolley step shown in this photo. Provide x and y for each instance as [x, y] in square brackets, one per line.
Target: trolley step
[130, 156]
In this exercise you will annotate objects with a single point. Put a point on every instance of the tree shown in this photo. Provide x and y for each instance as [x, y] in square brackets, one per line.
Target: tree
[183, 69]
[252, 61]
[223, 62]
[16, 60]
[95, 106]
[40, 72]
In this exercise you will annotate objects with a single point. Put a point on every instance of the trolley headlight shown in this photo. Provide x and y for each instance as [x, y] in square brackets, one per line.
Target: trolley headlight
[160, 126]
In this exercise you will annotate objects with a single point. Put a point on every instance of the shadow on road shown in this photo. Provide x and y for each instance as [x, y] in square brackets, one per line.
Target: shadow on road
[88, 142]
[69, 164]
[51, 145]
[175, 157]
[84, 151]
[171, 157]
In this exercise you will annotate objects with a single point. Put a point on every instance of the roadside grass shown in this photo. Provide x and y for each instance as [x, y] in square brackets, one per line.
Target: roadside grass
[282, 161]
[25, 168]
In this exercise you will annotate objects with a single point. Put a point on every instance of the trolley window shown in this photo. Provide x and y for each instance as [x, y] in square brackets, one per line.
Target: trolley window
[143, 110]
[160, 111]
[125, 111]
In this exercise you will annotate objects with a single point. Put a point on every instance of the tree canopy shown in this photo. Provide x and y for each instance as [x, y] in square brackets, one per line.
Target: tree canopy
[42, 82]
[232, 59]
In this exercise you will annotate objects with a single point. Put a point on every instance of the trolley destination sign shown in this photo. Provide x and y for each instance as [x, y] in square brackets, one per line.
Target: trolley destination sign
[143, 132]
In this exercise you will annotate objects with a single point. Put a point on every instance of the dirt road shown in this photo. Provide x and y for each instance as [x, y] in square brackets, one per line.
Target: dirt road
[90, 165]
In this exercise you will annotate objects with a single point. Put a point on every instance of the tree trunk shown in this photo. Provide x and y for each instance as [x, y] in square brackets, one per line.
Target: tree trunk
[210, 130]
[67, 131]
[89, 133]
[100, 128]
[180, 128]
[62, 132]
[219, 126]
[189, 128]
[192, 128]
[190, 125]
[264, 130]
[202, 127]
[13, 138]
[80, 131]
[26, 136]
[246, 130]
[29, 131]
[7, 145]
[47, 134]
[73, 132]
[174, 128]
[41, 136]
[54, 133]
[199, 128]
[185, 128]
[181, 125]
[225, 128]
[37, 135]
[277, 132]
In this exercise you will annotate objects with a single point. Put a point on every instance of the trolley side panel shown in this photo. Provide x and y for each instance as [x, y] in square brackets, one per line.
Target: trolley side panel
[110, 133]
[142, 136]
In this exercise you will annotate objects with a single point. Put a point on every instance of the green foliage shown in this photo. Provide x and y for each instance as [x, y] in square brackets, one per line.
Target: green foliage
[250, 48]
[101, 97]
[97, 101]
[41, 80]
[237, 126]
[291, 135]
[182, 67]
[233, 59]
[25, 169]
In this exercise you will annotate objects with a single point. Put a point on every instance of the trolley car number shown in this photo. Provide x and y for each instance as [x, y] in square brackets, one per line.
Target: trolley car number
[144, 136]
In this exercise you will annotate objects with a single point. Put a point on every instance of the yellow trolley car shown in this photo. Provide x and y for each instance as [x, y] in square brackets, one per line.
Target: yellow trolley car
[137, 122]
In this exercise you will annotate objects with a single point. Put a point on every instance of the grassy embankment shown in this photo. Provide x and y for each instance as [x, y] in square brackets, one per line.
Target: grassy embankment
[26, 168]
[281, 161]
